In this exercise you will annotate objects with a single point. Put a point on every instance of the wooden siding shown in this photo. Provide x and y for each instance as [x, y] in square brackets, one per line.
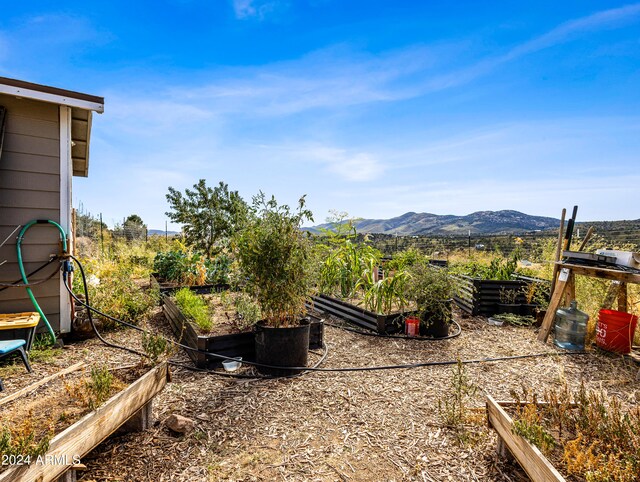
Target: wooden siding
[30, 189]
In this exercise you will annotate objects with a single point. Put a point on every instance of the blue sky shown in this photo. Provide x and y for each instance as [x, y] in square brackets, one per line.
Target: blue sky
[375, 108]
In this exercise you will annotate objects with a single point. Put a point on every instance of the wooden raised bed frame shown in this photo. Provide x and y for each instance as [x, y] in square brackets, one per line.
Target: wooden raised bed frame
[87, 433]
[234, 345]
[536, 465]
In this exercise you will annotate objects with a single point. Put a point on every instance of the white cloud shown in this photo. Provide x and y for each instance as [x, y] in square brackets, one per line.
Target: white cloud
[259, 9]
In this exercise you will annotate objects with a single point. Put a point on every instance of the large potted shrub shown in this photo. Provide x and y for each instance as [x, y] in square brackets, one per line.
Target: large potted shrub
[431, 289]
[275, 259]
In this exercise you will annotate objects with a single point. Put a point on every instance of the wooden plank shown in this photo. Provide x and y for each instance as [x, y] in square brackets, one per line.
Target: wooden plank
[561, 284]
[88, 432]
[46, 129]
[39, 383]
[30, 108]
[20, 198]
[536, 465]
[31, 145]
[604, 273]
[18, 161]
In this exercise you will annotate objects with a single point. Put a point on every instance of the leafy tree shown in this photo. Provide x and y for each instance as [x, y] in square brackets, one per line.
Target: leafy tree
[134, 227]
[208, 215]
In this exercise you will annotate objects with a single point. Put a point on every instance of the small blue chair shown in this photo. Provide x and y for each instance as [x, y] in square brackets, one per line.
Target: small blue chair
[7, 347]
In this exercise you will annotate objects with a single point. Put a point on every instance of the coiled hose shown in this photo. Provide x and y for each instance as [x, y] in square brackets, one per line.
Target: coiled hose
[23, 274]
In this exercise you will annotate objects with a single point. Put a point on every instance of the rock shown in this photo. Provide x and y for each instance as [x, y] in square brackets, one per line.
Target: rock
[179, 424]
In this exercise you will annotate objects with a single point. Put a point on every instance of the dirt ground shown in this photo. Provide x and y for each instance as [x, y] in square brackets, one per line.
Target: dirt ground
[325, 426]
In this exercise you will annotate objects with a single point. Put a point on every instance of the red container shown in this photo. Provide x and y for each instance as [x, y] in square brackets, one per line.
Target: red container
[412, 326]
[614, 331]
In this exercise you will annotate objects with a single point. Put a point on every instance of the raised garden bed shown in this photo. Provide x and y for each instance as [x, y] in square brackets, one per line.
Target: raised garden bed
[383, 324]
[478, 296]
[68, 447]
[232, 346]
[534, 463]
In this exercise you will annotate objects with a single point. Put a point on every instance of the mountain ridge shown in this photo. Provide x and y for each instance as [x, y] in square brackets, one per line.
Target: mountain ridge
[479, 222]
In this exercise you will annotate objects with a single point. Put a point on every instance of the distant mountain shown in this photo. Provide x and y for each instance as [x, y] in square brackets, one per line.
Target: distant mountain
[481, 222]
[161, 232]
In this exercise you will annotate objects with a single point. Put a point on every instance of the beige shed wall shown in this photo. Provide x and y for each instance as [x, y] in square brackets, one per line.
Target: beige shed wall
[30, 189]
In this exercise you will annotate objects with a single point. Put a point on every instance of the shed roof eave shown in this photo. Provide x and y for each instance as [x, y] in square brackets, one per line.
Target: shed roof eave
[54, 95]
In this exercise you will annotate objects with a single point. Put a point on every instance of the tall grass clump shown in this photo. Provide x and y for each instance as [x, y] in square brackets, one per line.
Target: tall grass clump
[194, 308]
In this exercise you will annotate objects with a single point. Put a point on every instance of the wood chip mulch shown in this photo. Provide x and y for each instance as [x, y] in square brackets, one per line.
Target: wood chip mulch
[343, 426]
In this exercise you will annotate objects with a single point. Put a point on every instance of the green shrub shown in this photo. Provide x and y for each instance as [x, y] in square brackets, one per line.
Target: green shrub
[123, 299]
[275, 257]
[248, 311]
[191, 268]
[194, 308]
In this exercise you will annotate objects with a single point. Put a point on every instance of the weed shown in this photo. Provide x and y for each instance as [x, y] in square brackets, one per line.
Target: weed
[508, 295]
[154, 345]
[529, 426]
[99, 386]
[93, 391]
[42, 351]
[453, 406]
[248, 311]
[194, 308]
[600, 439]
[515, 320]
[24, 440]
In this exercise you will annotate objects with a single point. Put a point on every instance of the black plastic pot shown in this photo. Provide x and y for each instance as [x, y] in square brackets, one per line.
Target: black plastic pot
[529, 309]
[282, 347]
[436, 323]
[508, 308]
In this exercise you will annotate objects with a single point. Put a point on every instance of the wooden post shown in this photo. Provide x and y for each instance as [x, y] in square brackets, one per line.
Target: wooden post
[140, 421]
[558, 250]
[622, 297]
[563, 278]
[570, 291]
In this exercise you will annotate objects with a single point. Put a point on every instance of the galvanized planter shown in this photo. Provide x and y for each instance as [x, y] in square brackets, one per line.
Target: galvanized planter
[383, 324]
[480, 296]
[169, 288]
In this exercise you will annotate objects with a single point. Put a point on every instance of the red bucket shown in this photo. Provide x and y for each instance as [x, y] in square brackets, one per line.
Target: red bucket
[412, 326]
[614, 331]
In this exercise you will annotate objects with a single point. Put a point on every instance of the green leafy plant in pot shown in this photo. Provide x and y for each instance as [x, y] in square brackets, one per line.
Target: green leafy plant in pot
[275, 258]
[432, 289]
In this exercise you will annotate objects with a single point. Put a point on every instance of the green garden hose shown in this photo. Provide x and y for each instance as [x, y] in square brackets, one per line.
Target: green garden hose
[63, 238]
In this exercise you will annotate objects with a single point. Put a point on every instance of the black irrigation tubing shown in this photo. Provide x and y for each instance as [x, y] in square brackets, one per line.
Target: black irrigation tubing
[305, 369]
[402, 337]
[18, 284]
[171, 362]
